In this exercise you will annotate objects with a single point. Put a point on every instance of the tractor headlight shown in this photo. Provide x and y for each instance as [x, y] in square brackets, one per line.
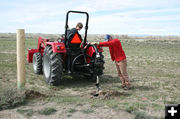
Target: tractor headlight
[60, 47]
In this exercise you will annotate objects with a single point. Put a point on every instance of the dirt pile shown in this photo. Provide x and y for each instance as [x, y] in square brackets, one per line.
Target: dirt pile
[107, 94]
[31, 94]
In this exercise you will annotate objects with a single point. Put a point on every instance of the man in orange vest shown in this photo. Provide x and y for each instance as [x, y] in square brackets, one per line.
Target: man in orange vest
[73, 37]
[78, 27]
[117, 55]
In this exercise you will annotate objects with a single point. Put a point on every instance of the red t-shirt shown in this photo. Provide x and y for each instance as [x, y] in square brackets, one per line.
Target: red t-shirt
[115, 49]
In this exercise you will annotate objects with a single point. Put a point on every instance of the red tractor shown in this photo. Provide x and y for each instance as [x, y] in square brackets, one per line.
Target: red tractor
[69, 54]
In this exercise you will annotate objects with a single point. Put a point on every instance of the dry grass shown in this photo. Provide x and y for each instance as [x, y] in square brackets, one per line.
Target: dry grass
[153, 67]
[10, 97]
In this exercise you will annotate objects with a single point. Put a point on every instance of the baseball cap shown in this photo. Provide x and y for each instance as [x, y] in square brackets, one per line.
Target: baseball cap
[107, 37]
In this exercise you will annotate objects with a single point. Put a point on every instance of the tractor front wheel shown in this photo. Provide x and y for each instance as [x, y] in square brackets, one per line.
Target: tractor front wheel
[37, 63]
[52, 66]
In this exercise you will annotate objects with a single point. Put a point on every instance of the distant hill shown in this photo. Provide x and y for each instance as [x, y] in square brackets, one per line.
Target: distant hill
[96, 36]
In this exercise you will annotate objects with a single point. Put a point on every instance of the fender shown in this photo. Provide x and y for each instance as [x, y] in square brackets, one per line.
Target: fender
[30, 55]
[90, 50]
[57, 47]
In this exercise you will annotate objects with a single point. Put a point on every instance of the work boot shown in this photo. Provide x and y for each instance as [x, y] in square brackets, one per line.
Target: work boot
[123, 83]
[127, 85]
[123, 86]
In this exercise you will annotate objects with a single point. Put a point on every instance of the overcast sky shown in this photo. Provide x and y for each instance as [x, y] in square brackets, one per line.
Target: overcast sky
[154, 17]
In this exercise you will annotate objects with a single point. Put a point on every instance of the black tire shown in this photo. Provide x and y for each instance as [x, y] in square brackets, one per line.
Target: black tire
[52, 66]
[37, 63]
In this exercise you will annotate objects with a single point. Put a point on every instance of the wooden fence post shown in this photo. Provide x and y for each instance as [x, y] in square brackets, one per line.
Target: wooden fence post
[20, 50]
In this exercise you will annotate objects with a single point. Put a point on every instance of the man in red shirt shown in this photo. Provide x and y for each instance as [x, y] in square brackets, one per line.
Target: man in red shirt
[117, 55]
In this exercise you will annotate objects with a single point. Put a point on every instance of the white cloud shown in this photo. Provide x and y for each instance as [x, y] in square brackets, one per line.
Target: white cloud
[101, 5]
[128, 22]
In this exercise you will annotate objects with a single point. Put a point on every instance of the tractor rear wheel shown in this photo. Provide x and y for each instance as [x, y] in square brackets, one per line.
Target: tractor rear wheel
[37, 63]
[52, 66]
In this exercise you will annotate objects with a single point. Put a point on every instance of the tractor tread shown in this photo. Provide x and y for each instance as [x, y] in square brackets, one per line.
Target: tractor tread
[55, 67]
[37, 63]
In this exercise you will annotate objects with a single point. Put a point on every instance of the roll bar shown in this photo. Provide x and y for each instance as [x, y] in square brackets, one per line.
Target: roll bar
[86, 26]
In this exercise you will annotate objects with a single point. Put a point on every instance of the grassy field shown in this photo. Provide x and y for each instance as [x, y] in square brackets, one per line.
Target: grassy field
[153, 67]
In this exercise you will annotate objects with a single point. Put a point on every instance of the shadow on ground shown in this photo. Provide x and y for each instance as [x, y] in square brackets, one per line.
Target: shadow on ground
[81, 81]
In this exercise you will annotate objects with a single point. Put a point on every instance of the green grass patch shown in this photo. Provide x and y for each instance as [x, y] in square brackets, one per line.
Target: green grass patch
[71, 110]
[87, 111]
[68, 99]
[47, 111]
[69, 115]
[130, 109]
[141, 115]
[26, 112]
